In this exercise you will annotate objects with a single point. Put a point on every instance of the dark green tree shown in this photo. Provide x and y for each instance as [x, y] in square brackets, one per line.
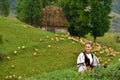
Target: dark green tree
[48, 2]
[29, 11]
[45, 3]
[100, 21]
[4, 7]
[77, 16]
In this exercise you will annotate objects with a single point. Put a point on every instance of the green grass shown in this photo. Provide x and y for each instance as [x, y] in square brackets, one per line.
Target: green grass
[61, 55]
[108, 39]
[98, 73]
[65, 74]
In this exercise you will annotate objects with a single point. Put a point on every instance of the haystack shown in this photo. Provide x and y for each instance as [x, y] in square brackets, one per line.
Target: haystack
[53, 17]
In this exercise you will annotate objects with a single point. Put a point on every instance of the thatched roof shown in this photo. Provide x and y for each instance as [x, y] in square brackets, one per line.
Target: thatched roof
[54, 17]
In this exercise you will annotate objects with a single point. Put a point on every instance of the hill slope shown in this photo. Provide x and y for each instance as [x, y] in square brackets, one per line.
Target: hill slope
[115, 23]
[116, 6]
[27, 51]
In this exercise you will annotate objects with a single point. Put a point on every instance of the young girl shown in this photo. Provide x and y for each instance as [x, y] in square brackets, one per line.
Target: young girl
[86, 59]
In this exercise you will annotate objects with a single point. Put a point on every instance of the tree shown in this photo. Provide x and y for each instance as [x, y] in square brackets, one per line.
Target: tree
[100, 9]
[48, 2]
[77, 16]
[29, 11]
[45, 3]
[4, 7]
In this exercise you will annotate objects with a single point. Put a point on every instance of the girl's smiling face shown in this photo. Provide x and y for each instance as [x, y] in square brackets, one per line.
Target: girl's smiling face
[88, 48]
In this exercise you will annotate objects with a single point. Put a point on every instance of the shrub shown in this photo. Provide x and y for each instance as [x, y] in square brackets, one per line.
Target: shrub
[113, 72]
[118, 39]
[109, 73]
[97, 73]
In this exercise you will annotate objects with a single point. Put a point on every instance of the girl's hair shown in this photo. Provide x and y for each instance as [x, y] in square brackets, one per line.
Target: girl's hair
[88, 43]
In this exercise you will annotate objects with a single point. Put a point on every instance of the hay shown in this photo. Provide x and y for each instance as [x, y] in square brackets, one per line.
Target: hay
[53, 17]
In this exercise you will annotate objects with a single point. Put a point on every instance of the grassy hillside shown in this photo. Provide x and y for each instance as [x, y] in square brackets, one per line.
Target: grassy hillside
[27, 51]
[32, 51]
[109, 40]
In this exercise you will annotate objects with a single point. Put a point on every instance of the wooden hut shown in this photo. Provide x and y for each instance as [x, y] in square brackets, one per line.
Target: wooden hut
[53, 19]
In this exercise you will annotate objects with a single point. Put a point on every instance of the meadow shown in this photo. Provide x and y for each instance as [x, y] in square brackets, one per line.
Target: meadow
[29, 53]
